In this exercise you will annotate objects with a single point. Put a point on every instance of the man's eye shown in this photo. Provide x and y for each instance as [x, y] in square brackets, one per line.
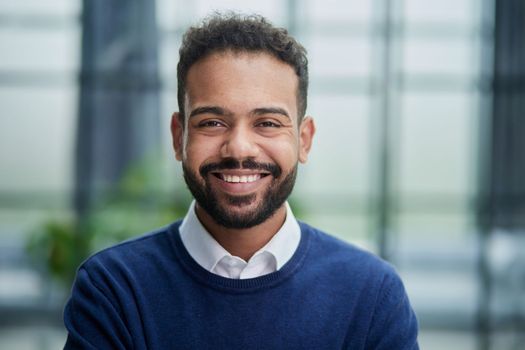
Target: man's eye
[210, 124]
[268, 124]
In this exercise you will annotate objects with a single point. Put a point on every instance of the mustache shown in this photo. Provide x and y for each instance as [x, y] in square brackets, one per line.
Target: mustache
[231, 163]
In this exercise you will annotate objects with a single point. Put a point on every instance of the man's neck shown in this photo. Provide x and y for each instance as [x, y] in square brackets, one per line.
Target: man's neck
[243, 242]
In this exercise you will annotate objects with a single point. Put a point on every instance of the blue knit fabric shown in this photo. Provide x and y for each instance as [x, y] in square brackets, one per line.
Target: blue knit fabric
[148, 293]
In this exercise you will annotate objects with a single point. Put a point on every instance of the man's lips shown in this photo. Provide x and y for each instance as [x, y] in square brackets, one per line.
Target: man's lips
[234, 167]
[239, 183]
[239, 177]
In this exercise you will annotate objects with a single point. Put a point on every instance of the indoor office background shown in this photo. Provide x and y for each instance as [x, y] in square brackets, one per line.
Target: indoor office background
[419, 154]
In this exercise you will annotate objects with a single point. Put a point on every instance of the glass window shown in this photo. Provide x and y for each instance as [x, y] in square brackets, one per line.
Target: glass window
[435, 143]
[336, 56]
[444, 11]
[342, 11]
[339, 161]
[37, 143]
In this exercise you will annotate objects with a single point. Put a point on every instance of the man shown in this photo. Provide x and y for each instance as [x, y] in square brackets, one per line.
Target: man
[239, 272]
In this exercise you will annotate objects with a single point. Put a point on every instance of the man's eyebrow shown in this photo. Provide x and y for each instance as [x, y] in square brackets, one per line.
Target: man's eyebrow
[209, 110]
[271, 110]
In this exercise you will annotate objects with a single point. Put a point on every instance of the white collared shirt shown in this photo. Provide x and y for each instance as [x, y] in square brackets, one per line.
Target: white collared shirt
[208, 253]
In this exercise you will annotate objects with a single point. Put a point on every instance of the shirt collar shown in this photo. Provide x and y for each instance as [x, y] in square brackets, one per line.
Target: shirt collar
[207, 252]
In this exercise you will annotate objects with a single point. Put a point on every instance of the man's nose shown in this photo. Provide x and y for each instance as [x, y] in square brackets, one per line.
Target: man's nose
[239, 143]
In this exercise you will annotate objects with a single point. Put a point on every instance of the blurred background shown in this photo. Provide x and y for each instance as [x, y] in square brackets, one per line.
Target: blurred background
[419, 155]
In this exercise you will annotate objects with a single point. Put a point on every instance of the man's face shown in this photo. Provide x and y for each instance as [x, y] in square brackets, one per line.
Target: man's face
[241, 142]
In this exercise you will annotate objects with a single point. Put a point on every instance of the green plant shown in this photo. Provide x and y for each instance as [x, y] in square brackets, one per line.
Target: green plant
[61, 247]
[136, 206]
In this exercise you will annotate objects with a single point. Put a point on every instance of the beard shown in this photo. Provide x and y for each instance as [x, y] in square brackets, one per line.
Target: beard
[272, 199]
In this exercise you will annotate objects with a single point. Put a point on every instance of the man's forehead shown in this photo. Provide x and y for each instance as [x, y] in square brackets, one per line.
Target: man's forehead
[256, 79]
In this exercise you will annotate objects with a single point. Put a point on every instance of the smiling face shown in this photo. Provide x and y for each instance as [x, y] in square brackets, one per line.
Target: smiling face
[241, 142]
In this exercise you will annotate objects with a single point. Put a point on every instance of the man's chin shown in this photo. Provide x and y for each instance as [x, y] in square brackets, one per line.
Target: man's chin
[240, 202]
[239, 206]
[237, 212]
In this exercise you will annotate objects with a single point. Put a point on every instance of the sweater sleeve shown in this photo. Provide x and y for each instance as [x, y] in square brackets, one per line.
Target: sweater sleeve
[92, 319]
[394, 323]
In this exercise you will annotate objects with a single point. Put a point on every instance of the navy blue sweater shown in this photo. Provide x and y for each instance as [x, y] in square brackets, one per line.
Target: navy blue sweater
[148, 293]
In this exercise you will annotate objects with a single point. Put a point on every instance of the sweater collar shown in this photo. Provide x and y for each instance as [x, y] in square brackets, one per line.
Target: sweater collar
[207, 252]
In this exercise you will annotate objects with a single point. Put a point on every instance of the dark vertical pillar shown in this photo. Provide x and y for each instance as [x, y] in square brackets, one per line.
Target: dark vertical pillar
[118, 120]
[508, 133]
[501, 202]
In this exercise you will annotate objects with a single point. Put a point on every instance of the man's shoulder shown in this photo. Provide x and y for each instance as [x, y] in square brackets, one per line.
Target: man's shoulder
[149, 246]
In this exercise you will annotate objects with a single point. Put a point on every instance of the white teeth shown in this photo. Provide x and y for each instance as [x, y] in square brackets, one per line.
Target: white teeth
[242, 179]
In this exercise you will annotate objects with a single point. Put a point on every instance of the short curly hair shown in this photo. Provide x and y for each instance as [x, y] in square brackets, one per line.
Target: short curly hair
[238, 33]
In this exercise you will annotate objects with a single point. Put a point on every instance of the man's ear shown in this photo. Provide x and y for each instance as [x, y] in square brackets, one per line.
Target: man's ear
[306, 135]
[177, 134]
